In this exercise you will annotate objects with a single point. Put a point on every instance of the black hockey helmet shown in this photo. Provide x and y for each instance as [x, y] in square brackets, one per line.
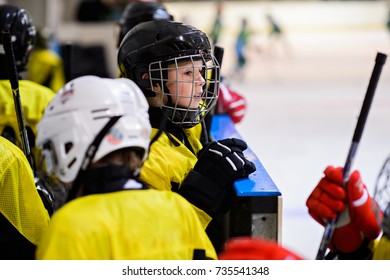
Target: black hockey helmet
[137, 12]
[155, 47]
[19, 24]
[159, 41]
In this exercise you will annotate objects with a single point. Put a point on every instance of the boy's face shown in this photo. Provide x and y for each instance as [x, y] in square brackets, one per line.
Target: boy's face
[185, 83]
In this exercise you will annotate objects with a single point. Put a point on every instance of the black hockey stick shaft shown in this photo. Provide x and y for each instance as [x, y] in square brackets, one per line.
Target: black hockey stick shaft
[330, 226]
[67, 56]
[13, 78]
[218, 54]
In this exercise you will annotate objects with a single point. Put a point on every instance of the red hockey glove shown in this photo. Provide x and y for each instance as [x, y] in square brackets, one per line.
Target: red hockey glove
[251, 248]
[231, 103]
[360, 216]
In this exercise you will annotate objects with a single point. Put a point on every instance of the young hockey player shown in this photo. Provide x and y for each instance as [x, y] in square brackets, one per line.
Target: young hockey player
[240, 50]
[137, 12]
[45, 66]
[170, 62]
[217, 27]
[95, 136]
[229, 102]
[34, 97]
[17, 29]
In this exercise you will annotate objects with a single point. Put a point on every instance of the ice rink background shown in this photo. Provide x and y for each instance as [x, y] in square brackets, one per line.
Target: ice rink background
[304, 97]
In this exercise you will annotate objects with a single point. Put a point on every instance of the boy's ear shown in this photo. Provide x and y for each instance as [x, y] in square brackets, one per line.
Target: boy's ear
[157, 87]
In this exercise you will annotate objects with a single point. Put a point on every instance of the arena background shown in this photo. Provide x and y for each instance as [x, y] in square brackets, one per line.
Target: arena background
[304, 93]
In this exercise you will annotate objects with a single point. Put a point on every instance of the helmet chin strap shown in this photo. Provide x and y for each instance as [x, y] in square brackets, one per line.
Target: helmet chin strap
[88, 157]
[185, 119]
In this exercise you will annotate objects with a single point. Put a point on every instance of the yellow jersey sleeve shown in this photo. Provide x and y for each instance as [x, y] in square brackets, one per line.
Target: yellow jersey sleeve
[20, 202]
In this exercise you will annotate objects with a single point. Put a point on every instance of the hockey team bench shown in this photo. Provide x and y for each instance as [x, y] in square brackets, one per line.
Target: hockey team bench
[257, 210]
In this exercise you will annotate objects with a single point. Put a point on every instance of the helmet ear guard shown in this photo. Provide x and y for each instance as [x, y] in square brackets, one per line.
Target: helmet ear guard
[143, 83]
[147, 83]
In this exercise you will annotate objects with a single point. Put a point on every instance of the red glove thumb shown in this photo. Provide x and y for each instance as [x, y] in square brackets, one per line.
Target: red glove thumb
[364, 211]
[360, 220]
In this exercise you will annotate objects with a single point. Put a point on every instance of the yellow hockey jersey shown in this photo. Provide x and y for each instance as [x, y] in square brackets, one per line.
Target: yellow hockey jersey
[45, 67]
[167, 163]
[20, 202]
[138, 224]
[34, 99]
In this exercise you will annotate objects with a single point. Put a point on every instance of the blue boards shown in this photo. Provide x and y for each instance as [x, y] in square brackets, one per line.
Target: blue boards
[256, 210]
[259, 183]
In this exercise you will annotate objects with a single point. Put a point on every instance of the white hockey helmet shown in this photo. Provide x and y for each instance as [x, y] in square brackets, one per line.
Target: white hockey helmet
[79, 111]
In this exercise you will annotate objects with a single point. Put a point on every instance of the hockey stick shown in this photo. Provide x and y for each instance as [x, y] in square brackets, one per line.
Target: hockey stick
[330, 226]
[43, 189]
[13, 78]
[218, 53]
[67, 52]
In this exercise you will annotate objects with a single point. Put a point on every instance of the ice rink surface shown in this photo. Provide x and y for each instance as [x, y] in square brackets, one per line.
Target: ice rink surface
[302, 113]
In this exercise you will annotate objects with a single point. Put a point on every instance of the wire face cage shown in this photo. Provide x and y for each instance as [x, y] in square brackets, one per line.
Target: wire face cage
[188, 87]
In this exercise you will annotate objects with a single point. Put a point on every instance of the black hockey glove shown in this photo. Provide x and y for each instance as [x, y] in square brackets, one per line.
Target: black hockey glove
[209, 186]
[238, 146]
